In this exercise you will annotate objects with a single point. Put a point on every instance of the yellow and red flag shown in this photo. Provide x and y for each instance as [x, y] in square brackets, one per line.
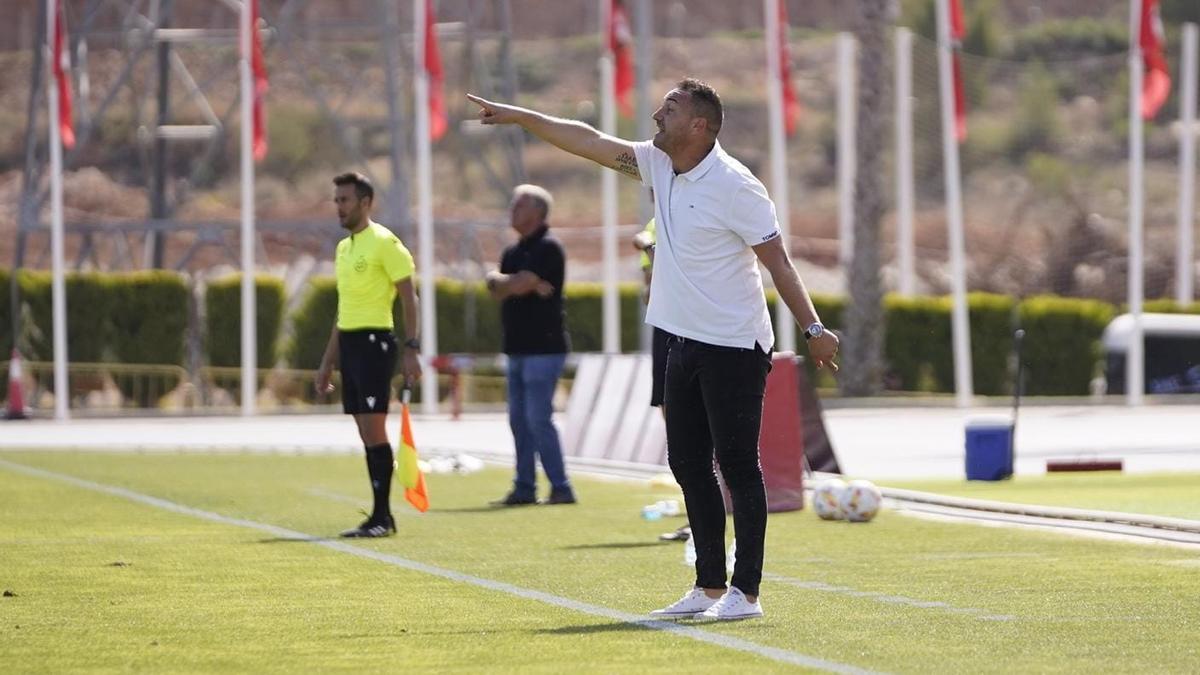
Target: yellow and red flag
[410, 473]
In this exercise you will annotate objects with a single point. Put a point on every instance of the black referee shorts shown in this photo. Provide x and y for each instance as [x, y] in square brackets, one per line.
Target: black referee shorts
[658, 365]
[368, 359]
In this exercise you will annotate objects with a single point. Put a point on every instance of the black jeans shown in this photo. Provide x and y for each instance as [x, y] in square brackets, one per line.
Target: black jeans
[714, 399]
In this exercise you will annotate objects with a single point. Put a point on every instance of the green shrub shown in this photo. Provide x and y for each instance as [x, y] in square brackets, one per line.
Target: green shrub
[1169, 306]
[223, 320]
[1061, 346]
[150, 317]
[468, 318]
[1065, 39]
[918, 334]
[314, 318]
[584, 304]
[1036, 126]
[991, 318]
[91, 301]
[311, 324]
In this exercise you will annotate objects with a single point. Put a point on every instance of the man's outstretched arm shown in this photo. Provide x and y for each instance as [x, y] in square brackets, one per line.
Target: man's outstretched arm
[573, 136]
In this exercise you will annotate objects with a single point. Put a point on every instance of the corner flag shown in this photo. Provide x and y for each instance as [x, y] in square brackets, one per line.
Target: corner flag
[410, 474]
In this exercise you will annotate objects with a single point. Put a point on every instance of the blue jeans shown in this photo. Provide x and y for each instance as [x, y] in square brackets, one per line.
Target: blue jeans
[532, 379]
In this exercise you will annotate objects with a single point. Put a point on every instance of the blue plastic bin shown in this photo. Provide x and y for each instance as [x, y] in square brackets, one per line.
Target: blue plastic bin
[989, 448]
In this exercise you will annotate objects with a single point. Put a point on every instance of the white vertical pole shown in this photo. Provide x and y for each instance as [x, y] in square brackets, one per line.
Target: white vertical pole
[904, 163]
[959, 320]
[249, 312]
[610, 310]
[847, 138]
[1187, 169]
[57, 286]
[785, 324]
[1135, 358]
[643, 63]
[425, 263]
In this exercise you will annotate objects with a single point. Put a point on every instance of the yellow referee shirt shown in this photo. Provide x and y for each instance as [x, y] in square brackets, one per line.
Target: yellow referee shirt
[368, 266]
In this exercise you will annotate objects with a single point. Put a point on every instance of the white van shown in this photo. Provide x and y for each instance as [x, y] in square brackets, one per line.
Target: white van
[1172, 352]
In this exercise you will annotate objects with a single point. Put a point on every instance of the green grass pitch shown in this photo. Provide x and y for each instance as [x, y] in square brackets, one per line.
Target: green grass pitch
[103, 582]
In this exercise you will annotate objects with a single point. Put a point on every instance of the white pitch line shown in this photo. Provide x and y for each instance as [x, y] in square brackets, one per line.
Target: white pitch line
[726, 641]
[821, 586]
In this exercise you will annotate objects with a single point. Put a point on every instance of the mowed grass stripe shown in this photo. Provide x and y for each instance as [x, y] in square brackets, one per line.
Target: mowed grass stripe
[284, 534]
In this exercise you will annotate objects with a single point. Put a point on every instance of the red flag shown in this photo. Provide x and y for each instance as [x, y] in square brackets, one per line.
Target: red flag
[620, 45]
[791, 104]
[433, 68]
[60, 66]
[259, 70]
[958, 31]
[1156, 85]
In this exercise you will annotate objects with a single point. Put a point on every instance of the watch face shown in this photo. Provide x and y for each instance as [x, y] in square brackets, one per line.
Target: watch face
[814, 330]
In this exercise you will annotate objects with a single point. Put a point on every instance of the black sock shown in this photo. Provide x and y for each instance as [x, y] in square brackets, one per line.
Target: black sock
[379, 466]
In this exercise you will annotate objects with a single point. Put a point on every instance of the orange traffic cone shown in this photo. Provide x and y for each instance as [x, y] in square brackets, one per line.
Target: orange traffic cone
[16, 401]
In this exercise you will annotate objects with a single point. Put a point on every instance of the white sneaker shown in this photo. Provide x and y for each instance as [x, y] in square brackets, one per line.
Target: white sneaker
[731, 607]
[689, 606]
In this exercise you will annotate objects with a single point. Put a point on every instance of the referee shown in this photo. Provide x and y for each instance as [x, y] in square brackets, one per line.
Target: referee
[373, 267]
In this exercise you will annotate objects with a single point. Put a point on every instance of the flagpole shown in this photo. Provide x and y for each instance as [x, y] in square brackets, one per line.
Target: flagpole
[429, 341]
[904, 163]
[610, 313]
[1187, 169]
[1135, 356]
[785, 323]
[249, 311]
[846, 140]
[959, 320]
[57, 285]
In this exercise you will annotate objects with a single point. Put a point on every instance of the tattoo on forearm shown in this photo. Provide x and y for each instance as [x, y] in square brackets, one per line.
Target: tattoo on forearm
[626, 163]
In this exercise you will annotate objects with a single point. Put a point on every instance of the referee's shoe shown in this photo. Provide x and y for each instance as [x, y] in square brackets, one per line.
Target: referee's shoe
[372, 528]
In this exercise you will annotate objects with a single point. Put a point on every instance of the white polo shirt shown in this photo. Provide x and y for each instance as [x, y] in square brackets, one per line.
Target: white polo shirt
[706, 284]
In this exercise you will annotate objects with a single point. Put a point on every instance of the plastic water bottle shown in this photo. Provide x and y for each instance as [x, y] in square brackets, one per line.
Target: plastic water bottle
[731, 556]
[689, 551]
[669, 507]
[652, 512]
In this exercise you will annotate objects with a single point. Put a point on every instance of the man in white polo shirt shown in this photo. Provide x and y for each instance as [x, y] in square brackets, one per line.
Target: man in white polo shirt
[715, 224]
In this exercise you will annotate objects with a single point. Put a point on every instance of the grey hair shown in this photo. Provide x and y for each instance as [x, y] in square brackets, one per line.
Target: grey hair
[541, 196]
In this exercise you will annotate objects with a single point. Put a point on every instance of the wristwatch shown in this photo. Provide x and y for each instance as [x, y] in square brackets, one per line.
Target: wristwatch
[814, 330]
[413, 343]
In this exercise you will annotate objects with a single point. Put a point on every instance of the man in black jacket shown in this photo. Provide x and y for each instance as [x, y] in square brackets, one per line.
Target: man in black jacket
[529, 285]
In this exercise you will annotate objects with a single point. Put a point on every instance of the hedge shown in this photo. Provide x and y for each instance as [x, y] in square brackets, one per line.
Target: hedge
[91, 302]
[1062, 343]
[142, 317]
[223, 320]
[313, 319]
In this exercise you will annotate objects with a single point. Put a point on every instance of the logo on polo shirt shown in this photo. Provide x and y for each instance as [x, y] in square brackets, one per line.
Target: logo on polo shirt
[771, 236]
[360, 265]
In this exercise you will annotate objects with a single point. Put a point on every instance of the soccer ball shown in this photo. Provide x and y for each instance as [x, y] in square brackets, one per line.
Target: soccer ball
[860, 501]
[827, 499]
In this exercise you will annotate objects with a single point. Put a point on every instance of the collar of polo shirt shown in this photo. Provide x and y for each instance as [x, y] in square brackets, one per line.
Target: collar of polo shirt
[709, 161]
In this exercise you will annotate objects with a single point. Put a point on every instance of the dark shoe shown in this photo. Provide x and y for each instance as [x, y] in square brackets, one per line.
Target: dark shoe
[682, 534]
[514, 499]
[372, 528]
[559, 497]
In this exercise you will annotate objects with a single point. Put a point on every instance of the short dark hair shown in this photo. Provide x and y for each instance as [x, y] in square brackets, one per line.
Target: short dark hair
[705, 102]
[362, 184]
